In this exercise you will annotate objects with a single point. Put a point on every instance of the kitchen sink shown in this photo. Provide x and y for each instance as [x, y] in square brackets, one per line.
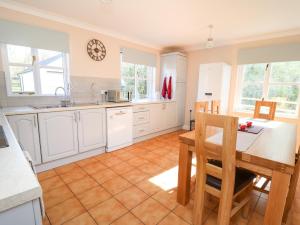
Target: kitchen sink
[60, 106]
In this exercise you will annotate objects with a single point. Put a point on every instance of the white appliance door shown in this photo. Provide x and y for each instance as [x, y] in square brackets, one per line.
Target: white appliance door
[119, 128]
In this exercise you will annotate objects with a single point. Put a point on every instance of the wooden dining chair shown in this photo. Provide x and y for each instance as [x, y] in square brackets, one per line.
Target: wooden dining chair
[216, 172]
[292, 188]
[199, 107]
[261, 183]
[215, 107]
[271, 110]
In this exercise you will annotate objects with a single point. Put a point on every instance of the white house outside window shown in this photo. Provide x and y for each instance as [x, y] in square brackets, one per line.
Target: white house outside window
[32, 71]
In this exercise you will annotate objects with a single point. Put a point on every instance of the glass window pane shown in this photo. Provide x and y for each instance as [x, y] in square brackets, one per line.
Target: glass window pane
[248, 103]
[283, 93]
[128, 85]
[19, 54]
[142, 88]
[50, 58]
[286, 108]
[50, 80]
[141, 72]
[21, 79]
[285, 72]
[252, 91]
[254, 72]
[127, 70]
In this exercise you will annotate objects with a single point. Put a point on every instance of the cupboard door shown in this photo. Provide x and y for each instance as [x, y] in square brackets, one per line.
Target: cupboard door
[25, 128]
[170, 115]
[157, 118]
[58, 134]
[91, 129]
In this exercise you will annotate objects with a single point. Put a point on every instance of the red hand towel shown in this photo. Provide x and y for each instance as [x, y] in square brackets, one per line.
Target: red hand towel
[164, 88]
[170, 88]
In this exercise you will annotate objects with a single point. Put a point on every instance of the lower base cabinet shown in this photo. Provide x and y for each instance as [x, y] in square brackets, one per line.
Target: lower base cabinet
[58, 135]
[67, 133]
[29, 213]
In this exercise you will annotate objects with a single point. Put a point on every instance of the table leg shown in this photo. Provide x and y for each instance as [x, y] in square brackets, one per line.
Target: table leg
[184, 174]
[277, 198]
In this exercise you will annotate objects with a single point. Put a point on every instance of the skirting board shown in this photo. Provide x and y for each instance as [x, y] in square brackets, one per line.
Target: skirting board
[148, 136]
[70, 159]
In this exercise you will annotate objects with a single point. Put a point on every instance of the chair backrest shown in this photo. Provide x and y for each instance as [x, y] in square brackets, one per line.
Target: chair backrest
[226, 152]
[201, 106]
[215, 107]
[271, 110]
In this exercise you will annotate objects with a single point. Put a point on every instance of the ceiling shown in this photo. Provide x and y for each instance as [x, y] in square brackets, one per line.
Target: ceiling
[179, 23]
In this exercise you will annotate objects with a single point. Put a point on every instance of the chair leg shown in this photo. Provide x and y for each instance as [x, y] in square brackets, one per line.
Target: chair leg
[199, 197]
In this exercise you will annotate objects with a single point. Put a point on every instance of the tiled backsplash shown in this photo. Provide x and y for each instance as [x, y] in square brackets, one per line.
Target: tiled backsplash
[83, 90]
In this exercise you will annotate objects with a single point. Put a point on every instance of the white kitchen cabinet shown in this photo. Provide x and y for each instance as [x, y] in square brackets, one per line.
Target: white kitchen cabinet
[175, 64]
[91, 129]
[156, 117]
[25, 128]
[58, 134]
[29, 213]
[214, 84]
[170, 115]
[163, 116]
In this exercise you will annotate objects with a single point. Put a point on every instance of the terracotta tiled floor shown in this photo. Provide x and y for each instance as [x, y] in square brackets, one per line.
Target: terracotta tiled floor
[135, 185]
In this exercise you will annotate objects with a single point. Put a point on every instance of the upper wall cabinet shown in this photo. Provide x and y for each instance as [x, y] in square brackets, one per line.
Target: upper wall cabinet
[214, 83]
[174, 64]
[58, 133]
[91, 129]
[26, 130]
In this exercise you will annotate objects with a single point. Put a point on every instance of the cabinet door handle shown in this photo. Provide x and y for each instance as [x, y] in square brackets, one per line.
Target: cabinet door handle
[75, 117]
[79, 115]
[34, 121]
[141, 118]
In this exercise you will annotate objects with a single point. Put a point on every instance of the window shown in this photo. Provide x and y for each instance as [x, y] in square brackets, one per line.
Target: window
[138, 79]
[279, 82]
[31, 71]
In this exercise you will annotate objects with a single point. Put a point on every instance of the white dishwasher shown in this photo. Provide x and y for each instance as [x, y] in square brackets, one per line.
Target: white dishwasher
[119, 128]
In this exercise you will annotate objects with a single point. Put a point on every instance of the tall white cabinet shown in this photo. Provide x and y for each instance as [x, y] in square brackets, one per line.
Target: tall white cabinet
[175, 64]
[214, 84]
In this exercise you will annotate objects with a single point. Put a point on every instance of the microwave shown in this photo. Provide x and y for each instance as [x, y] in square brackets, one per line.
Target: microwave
[119, 96]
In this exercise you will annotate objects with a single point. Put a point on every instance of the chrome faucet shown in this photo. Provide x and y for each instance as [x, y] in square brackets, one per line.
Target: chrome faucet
[58, 89]
[65, 102]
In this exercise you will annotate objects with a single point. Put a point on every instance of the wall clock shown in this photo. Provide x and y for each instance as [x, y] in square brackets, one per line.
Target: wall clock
[96, 50]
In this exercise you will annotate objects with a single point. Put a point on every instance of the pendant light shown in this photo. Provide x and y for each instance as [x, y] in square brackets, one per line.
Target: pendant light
[210, 40]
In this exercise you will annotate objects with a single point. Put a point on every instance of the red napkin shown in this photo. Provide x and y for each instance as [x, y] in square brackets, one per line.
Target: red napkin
[170, 88]
[164, 88]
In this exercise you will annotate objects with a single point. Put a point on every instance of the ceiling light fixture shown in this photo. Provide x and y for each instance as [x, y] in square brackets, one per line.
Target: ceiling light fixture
[106, 1]
[210, 40]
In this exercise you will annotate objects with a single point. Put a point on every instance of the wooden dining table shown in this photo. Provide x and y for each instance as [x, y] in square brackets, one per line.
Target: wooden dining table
[272, 154]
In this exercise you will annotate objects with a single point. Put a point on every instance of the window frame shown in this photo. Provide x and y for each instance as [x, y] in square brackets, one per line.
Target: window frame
[150, 80]
[36, 73]
[265, 95]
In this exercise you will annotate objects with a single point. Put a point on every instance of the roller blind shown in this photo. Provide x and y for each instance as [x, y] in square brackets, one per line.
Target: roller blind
[130, 55]
[274, 53]
[32, 36]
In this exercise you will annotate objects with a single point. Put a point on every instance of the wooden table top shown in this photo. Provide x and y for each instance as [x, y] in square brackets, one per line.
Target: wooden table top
[274, 148]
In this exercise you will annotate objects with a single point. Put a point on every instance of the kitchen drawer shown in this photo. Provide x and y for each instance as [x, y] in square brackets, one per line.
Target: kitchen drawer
[141, 117]
[141, 130]
[141, 108]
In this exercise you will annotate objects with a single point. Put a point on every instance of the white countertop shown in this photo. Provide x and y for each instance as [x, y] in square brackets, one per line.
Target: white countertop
[79, 106]
[18, 183]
